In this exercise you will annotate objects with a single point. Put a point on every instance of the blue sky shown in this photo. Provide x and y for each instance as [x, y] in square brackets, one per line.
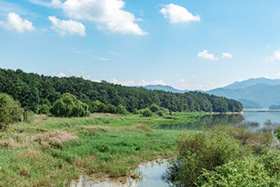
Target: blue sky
[188, 44]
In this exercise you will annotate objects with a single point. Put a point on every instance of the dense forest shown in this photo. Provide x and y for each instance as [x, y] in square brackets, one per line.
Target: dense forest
[34, 91]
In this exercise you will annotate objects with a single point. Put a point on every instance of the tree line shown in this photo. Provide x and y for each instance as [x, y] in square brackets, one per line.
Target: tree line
[38, 93]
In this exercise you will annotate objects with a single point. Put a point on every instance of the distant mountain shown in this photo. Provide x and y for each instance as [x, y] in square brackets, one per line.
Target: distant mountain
[252, 82]
[164, 88]
[252, 93]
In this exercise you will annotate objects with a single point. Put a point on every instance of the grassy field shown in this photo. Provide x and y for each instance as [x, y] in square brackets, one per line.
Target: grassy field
[51, 151]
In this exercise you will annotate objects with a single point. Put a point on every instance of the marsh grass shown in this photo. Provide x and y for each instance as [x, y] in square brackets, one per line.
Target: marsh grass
[52, 151]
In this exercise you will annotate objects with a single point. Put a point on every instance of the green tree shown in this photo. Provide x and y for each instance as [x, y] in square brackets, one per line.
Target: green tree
[10, 110]
[154, 108]
[69, 106]
[147, 112]
[121, 109]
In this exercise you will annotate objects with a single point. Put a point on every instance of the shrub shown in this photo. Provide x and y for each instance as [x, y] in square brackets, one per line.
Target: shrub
[69, 106]
[257, 142]
[121, 109]
[154, 108]
[203, 151]
[96, 106]
[147, 112]
[10, 110]
[110, 109]
[160, 113]
[44, 109]
[246, 172]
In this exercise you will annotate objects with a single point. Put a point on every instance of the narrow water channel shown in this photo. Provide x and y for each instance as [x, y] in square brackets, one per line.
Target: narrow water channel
[151, 174]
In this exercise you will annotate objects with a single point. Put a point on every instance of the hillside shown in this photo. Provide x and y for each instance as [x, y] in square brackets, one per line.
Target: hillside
[33, 90]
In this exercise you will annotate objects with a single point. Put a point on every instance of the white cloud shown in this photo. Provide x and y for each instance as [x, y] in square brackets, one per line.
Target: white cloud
[67, 26]
[15, 22]
[60, 75]
[206, 55]
[108, 13]
[134, 83]
[178, 14]
[227, 55]
[276, 55]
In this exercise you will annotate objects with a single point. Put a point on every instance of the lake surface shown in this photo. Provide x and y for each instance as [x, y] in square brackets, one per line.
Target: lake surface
[261, 119]
[152, 172]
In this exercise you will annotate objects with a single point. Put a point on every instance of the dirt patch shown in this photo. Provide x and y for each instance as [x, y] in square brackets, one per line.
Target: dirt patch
[55, 138]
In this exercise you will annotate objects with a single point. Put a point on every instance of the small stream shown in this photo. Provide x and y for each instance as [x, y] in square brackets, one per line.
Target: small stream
[151, 174]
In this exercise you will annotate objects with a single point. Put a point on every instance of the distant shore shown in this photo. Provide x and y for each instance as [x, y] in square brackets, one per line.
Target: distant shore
[260, 110]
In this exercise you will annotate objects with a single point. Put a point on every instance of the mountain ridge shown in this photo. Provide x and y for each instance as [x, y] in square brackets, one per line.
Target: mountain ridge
[252, 93]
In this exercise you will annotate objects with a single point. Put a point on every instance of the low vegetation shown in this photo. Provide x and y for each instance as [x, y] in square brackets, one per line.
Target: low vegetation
[51, 151]
[10, 111]
[226, 156]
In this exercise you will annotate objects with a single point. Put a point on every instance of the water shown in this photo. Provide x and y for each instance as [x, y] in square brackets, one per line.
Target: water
[152, 173]
[208, 121]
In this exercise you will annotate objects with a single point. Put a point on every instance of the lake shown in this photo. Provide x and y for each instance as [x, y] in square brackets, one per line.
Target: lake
[152, 172]
[260, 119]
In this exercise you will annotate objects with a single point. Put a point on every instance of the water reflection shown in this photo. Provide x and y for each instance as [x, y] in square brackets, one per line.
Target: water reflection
[250, 120]
[151, 174]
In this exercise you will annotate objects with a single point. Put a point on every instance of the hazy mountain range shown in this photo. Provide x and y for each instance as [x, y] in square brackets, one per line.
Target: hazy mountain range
[252, 93]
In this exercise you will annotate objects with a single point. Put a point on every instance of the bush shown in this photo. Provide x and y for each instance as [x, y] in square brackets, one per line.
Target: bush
[203, 151]
[246, 172]
[154, 108]
[121, 109]
[44, 109]
[10, 110]
[160, 113]
[96, 106]
[69, 106]
[147, 112]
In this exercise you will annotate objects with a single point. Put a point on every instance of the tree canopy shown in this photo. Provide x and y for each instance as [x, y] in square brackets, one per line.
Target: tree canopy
[10, 110]
[33, 91]
[69, 106]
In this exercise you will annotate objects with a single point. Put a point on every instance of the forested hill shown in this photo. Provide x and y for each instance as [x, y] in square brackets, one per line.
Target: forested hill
[33, 90]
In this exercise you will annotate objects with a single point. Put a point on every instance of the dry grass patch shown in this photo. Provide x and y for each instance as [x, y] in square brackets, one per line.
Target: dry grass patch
[55, 138]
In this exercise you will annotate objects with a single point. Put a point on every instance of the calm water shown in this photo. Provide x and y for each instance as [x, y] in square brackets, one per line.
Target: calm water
[208, 121]
[152, 173]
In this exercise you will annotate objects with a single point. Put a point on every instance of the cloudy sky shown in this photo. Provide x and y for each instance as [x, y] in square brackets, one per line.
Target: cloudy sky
[188, 44]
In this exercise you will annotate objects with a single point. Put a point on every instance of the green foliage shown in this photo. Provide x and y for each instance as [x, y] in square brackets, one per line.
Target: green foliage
[154, 108]
[121, 110]
[32, 90]
[10, 110]
[203, 151]
[107, 145]
[44, 109]
[160, 113]
[226, 156]
[69, 106]
[147, 112]
[246, 172]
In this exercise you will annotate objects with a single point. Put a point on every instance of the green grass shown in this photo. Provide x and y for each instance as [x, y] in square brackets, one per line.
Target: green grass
[105, 146]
